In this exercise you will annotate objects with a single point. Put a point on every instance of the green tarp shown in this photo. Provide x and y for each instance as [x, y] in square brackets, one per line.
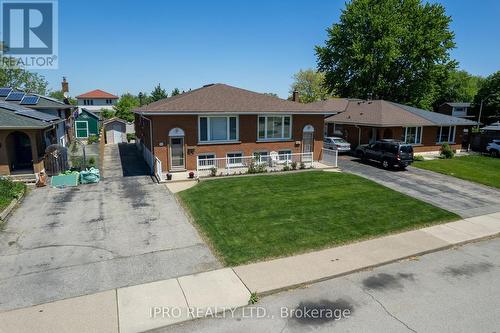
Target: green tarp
[90, 176]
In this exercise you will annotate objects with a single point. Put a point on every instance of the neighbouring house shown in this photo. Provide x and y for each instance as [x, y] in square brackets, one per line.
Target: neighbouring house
[10, 98]
[116, 130]
[97, 100]
[221, 121]
[363, 122]
[24, 135]
[456, 109]
[87, 123]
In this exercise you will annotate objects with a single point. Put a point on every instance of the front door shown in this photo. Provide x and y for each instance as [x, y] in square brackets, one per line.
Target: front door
[307, 144]
[177, 153]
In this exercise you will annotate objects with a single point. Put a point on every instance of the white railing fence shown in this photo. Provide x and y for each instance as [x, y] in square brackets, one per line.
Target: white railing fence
[158, 170]
[252, 164]
[329, 157]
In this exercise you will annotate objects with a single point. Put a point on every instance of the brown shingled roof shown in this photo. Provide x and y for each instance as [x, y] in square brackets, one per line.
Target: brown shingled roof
[382, 113]
[222, 98]
[377, 113]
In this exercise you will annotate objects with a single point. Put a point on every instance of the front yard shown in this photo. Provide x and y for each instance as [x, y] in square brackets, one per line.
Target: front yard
[8, 191]
[480, 169]
[251, 218]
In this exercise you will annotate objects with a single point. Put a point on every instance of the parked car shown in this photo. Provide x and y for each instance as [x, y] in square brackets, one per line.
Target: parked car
[336, 143]
[493, 148]
[388, 152]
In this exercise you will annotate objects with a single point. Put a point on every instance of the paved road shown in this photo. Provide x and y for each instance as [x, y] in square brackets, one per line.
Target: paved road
[122, 231]
[464, 198]
[450, 291]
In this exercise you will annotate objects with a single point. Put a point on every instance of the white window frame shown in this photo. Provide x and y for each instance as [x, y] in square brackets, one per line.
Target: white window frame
[283, 137]
[452, 129]
[204, 167]
[419, 141]
[234, 152]
[86, 128]
[228, 129]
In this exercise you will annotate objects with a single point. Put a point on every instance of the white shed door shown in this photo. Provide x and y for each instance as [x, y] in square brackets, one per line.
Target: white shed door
[117, 134]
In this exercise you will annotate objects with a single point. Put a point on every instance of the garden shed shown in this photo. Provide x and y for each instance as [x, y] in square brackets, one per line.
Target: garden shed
[116, 130]
[86, 124]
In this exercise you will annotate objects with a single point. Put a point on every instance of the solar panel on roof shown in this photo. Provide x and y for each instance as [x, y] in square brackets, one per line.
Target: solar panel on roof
[5, 91]
[30, 100]
[12, 106]
[15, 96]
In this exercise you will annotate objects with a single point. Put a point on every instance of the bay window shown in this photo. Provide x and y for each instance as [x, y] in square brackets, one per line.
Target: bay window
[412, 135]
[218, 128]
[274, 127]
[445, 134]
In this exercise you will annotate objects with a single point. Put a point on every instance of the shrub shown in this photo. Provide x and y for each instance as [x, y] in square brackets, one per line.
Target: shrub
[91, 161]
[10, 190]
[130, 137]
[293, 165]
[255, 167]
[92, 139]
[286, 167]
[419, 158]
[213, 172]
[446, 151]
[302, 165]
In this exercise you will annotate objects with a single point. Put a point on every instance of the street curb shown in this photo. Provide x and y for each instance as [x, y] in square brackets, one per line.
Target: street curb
[330, 277]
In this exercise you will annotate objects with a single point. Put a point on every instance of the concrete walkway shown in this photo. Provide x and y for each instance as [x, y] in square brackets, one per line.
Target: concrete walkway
[165, 302]
[459, 196]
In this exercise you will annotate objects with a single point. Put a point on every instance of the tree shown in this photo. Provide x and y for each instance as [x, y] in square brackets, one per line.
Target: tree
[107, 113]
[460, 87]
[24, 80]
[393, 49]
[271, 94]
[489, 93]
[158, 93]
[175, 92]
[310, 86]
[59, 95]
[123, 108]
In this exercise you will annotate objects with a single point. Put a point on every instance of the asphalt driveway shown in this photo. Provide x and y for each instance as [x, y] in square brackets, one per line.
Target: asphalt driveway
[122, 231]
[462, 197]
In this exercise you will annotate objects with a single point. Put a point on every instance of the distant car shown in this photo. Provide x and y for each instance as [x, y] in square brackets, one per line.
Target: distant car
[389, 153]
[493, 148]
[336, 143]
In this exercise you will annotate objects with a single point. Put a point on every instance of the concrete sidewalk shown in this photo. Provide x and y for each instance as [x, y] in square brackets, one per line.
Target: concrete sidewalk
[162, 303]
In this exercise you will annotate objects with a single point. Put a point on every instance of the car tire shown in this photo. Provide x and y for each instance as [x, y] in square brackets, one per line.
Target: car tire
[494, 153]
[385, 164]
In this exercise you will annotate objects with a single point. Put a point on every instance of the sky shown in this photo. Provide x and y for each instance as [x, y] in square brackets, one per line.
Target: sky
[129, 46]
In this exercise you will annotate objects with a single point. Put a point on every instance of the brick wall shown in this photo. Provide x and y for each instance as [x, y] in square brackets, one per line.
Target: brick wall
[429, 135]
[247, 134]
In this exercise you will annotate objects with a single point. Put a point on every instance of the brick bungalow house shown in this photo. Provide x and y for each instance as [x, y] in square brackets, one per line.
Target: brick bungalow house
[366, 121]
[219, 120]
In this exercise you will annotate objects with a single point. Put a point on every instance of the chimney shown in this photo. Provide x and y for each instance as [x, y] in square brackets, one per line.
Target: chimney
[295, 96]
[65, 85]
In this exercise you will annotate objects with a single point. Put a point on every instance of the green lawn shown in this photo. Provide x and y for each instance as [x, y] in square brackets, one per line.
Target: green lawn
[251, 218]
[8, 191]
[480, 169]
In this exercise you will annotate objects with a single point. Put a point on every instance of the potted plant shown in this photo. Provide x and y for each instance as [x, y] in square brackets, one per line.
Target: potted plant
[169, 176]
[191, 174]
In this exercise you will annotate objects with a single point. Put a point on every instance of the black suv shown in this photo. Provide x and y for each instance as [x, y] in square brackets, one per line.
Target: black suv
[388, 152]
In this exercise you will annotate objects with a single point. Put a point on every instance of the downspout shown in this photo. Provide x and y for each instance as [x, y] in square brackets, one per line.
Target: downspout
[359, 134]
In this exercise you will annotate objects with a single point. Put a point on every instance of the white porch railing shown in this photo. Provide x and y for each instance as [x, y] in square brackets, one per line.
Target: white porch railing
[158, 170]
[329, 157]
[252, 164]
